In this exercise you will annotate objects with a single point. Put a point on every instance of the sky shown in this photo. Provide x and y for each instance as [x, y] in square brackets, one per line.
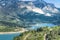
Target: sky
[55, 2]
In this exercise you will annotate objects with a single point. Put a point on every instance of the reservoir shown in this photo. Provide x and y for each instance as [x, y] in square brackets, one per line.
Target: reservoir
[36, 26]
[11, 36]
[8, 36]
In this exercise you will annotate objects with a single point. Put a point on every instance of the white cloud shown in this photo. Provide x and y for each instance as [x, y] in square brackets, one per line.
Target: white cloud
[21, 6]
[48, 14]
[27, 0]
[53, 10]
[3, 4]
[35, 9]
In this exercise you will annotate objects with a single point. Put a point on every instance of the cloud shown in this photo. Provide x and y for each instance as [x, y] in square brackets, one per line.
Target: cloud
[48, 14]
[38, 10]
[35, 9]
[27, 0]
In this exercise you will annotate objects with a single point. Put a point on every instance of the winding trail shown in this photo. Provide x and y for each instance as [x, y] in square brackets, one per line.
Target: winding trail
[27, 36]
[45, 37]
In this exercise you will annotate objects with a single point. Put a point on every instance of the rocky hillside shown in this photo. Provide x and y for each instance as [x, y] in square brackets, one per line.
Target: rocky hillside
[29, 12]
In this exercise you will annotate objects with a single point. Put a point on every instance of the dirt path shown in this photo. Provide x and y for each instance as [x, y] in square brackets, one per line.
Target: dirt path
[27, 36]
[45, 36]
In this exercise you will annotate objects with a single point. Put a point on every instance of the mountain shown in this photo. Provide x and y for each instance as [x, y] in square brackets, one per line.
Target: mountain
[28, 12]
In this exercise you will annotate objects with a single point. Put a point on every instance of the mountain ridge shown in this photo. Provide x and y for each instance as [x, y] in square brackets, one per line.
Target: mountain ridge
[28, 11]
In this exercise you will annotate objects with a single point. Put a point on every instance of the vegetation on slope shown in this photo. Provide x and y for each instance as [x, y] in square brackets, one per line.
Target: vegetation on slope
[9, 27]
[44, 33]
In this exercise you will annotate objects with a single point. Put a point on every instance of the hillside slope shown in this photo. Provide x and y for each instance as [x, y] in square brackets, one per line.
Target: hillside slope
[41, 34]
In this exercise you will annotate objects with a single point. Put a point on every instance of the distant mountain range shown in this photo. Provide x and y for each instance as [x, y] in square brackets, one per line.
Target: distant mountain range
[29, 12]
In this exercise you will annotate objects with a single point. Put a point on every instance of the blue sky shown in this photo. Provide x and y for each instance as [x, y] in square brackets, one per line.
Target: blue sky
[55, 2]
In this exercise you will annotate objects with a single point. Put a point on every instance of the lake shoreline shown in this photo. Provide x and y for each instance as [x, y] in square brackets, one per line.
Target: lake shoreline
[13, 32]
[8, 32]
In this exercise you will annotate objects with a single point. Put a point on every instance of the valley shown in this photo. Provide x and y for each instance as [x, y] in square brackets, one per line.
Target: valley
[29, 20]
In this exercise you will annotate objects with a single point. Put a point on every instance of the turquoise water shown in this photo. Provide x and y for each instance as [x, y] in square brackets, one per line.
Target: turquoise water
[8, 36]
[34, 27]
[11, 36]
